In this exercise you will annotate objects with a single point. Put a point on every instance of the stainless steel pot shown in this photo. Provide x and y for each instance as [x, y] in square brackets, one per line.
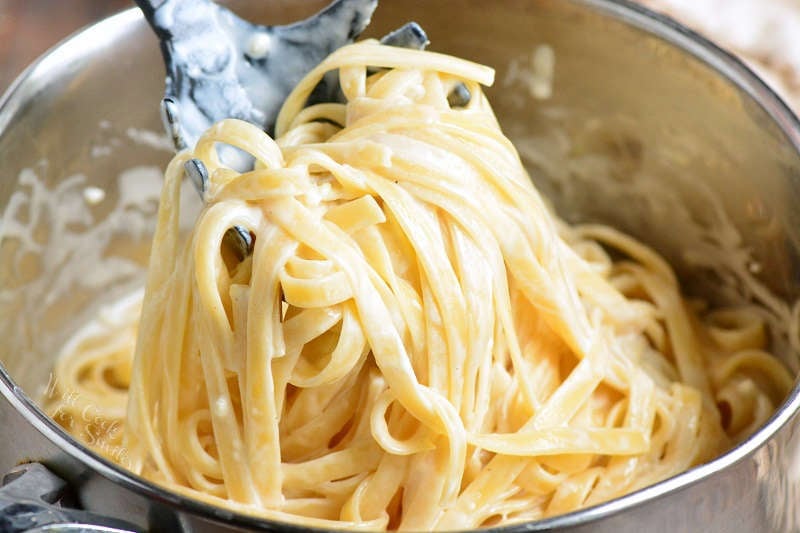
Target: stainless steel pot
[649, 127]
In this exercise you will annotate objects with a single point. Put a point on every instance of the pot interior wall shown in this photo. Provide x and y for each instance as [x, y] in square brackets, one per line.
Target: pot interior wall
[636, 133]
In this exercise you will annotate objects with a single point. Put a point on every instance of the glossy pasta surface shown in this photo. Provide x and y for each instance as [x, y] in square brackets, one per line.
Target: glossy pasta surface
[416, 341]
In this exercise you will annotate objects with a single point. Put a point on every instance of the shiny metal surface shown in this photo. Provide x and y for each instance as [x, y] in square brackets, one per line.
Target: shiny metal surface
[33, 498]
[649, 128]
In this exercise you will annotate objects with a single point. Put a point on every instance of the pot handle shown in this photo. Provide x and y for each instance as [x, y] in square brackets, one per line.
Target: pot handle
[32, 499]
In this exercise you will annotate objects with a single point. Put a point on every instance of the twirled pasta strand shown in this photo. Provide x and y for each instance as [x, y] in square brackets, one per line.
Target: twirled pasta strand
[415, 342]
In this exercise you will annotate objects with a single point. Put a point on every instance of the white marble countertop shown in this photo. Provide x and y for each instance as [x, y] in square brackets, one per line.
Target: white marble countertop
[764, 33]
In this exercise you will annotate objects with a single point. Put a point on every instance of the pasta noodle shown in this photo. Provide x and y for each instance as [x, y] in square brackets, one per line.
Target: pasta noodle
[415, 341]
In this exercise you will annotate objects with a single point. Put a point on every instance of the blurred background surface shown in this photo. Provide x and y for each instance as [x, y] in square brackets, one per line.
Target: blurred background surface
[765, 33]
[30, 27]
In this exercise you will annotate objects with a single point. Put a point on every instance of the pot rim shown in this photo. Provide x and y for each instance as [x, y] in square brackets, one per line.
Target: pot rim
[625, 11]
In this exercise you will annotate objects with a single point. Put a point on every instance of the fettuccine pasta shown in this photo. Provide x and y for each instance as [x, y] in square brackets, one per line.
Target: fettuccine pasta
[415, 341]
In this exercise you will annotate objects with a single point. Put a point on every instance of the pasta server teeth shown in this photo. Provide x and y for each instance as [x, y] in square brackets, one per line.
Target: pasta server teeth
[221, 66]
[237, 239]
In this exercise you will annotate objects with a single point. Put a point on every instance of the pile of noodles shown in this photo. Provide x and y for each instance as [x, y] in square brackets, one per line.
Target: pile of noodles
[415, 341]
